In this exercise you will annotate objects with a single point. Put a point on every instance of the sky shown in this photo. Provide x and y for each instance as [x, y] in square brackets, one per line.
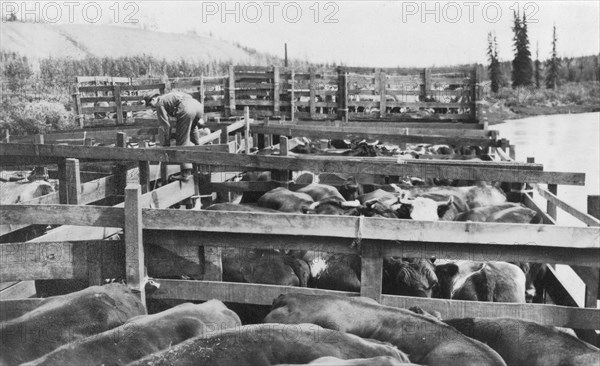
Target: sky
[360, 33]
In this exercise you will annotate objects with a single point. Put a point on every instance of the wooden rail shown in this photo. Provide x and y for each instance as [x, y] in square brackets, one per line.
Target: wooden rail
[427, 169]
[315, 95]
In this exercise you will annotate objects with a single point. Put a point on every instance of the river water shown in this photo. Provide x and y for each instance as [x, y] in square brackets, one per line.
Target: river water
[563, 143]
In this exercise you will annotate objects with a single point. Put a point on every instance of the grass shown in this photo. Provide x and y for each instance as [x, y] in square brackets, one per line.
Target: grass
[522, 102]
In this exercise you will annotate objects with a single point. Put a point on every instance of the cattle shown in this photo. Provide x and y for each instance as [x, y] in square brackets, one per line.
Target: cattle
[522, 342]
[507, 212]
[475, 196]
[63, 319]
[409, 277]
[379, 361]
[270, 344]
[427, 341]
[489, 281]
[260, 266]
[284, 200]
[144, 335]
[328, 201]
[333, 271]
[17, 192]
[251, 196]
[263, 266]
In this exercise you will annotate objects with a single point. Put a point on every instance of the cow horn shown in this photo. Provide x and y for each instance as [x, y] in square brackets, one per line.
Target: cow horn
[354, 203]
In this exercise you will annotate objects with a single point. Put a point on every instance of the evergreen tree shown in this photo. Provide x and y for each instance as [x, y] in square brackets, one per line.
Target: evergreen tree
[522, 66]
[494, 67]
[538, 65]
[553, 65]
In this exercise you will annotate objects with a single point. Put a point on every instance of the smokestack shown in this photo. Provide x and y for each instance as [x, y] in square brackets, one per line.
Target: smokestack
[286, 60]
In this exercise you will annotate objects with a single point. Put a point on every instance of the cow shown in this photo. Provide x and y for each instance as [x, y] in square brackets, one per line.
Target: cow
[426, 340]
[252, 196]
[507, 212]
[284, 200]
[270, 344]
[489, 281]
[333, 271]
[409, 277]
[144, 335]
[18, 192]
[328, 201]
[63, 319]
[475, 196]
[264, 266]
[379, 361]
[521, 342]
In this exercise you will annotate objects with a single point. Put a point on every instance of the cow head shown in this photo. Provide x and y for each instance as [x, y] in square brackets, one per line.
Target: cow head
[409, 277]
[422, 208]
[445, 274]
[351, 189]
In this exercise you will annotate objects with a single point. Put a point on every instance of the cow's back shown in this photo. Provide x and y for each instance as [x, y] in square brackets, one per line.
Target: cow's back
[63, 319]
[521, 342]
[144, 335]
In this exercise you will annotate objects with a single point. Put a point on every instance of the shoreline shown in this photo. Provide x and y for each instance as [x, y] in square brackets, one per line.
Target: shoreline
[499, 114]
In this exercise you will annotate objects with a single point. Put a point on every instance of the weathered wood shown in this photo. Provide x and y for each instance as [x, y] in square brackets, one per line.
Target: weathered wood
[118, 104]
[312, 96]
[231, 91]
[550, 205]
[556, 202]
[120, 171]
[276, 91]
[144, 176]
[63, 184]
[350, 165]
[73, 181]
[382, 93]
[61, 260]
[373, 228]
[249, 293]
[560, 316]
[371, 269]
[247, 135]
[390, 137]
[18, 290]
[134, 244]
[62, 215]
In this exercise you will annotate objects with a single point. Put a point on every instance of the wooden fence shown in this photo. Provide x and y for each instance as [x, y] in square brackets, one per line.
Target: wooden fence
[198, 235]
[343, 93]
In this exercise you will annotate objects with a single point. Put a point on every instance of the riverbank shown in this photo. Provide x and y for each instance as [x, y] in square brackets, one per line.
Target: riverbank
[521, 103]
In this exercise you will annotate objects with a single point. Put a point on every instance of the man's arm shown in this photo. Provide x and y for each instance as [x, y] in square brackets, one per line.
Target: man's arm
[163, 122]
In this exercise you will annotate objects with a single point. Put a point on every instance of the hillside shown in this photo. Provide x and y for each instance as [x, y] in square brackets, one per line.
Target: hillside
[37, 40]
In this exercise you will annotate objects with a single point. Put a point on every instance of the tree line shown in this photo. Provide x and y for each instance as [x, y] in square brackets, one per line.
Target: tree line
[523, 71]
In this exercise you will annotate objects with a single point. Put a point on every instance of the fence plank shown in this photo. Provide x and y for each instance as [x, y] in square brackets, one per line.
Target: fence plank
[350, 165]
[581, 216]
[374, 228]
[62, 215]
[134, 244]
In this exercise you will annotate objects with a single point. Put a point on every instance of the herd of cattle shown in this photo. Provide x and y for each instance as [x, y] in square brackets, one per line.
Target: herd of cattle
[108, 325]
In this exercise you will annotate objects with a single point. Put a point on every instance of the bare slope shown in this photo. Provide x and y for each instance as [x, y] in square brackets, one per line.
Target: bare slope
[36, 41]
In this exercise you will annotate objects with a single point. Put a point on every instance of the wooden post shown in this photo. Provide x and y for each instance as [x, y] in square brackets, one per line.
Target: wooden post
[231, 93]
[7, 135]
[476, 107]
[550, 206]
[371, 270]
[592, 290]
[224, 135]
[382, 94]
[134, 244]
[77, 106]
[73, 182]
[512, 151]
[276, 91]
[342, 95]
[312, 94]
[121, 169]
[292, 96]
[530, 160]
[38, 139]
[144, 175]
[118, 103]
[425, 84]
[247, 136]
[202, 91]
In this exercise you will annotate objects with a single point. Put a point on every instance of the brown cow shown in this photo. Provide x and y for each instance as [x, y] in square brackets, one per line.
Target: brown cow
[270, 344]
[144, 335]
[522, 342]
[426, 340]
[63, 319]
